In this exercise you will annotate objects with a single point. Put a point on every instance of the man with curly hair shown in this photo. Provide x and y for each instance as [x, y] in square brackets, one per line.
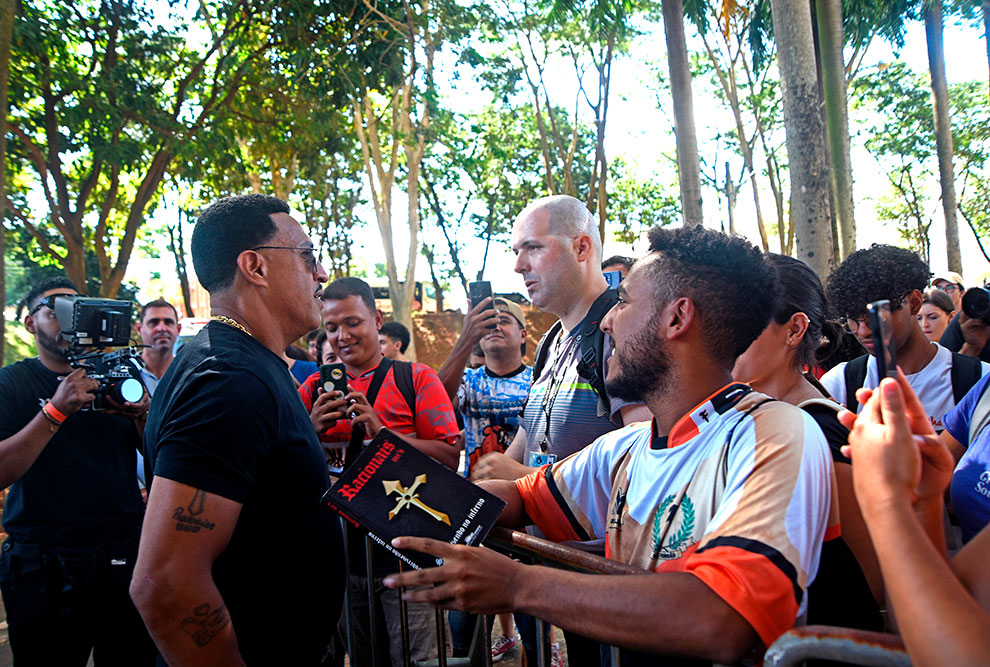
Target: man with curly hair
[723, 499]
[938, 376]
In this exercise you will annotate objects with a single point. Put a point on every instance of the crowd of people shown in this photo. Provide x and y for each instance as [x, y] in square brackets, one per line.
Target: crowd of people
[709, 413]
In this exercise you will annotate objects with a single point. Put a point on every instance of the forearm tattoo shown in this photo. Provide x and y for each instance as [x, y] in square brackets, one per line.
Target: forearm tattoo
[204, 624]
[188, 519]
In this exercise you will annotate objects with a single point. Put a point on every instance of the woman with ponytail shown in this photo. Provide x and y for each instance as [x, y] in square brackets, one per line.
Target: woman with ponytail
[848, 588]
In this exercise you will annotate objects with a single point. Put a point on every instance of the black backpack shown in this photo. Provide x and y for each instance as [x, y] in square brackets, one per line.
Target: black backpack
[592, 340]
[966, 371]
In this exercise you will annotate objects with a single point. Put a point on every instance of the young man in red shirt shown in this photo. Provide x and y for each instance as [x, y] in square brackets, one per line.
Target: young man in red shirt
[352, 322]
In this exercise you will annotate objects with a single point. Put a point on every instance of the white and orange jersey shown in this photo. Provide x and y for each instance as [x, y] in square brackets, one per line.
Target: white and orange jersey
[740, 494]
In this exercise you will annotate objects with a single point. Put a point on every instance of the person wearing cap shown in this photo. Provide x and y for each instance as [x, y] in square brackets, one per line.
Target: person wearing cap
[951, 283]
[491, 399]
[963, 334]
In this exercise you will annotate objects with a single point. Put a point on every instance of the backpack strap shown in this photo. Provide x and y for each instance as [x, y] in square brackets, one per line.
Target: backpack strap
[855, 375]
[593, 345]
[966, 372]
[824, 402]
[543, 351]
[403, 376]
[357, 434]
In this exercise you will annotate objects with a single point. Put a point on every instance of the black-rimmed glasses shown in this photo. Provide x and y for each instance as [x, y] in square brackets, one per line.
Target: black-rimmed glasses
[852, 324]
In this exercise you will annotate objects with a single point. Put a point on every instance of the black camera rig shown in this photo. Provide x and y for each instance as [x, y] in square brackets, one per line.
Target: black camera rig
[92, 325]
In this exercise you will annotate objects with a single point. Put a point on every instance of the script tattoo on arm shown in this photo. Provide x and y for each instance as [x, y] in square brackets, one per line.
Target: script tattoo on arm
[187, 519]
[204, 624]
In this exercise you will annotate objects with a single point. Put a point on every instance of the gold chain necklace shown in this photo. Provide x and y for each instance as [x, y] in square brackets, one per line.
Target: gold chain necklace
[231, 322]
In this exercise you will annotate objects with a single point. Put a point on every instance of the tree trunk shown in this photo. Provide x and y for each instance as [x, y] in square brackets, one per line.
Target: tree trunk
[727, 78]
[943, 131]
[831, 40]
[730, 199]
[804, 133]
[688, 164]
[177, 246]
[7, 10]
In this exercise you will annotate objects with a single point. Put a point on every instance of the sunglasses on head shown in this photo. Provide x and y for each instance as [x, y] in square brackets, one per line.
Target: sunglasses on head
[48, 302]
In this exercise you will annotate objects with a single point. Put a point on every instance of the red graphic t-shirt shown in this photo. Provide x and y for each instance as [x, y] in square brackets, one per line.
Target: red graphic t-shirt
[434, 418]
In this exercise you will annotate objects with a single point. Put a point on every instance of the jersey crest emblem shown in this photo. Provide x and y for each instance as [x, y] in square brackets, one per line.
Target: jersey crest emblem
[663, 523]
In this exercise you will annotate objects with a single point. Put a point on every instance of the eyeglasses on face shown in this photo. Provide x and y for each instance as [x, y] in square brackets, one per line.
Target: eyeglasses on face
[852, 324]
[48, 302]
[949, 287]
[312, 256]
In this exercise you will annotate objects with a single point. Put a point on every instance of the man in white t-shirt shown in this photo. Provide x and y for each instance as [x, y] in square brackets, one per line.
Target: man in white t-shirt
[939, 377]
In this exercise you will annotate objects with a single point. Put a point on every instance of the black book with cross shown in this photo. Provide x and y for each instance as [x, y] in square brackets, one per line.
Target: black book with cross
[392, 489]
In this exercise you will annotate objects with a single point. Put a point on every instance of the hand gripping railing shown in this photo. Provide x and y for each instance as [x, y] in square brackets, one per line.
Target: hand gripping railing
[529, 548]
[854, 647]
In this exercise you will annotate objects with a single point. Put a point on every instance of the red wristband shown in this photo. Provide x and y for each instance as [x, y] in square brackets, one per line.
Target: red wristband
[53, 412]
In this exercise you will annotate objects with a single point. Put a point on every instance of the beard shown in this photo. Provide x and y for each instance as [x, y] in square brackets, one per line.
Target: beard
[643, 368]
[49, 344]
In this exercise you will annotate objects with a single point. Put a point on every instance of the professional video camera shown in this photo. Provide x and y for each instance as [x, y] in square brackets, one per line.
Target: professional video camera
[96, 324]
[976, 303]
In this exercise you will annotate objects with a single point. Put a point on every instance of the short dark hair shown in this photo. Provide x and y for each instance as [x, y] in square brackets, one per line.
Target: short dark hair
[225, 230]
[621, 260]
[940, 300]
[315, 333]
[297, 353]
[158, 303]
[44, 285]
[342, 288]
[321, 338]
[872, 274]
[396, 331]
[733, 287]
[800, 292]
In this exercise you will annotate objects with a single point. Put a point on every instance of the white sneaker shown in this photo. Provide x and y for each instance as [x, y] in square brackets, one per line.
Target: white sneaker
[555, 658]
[501, 646]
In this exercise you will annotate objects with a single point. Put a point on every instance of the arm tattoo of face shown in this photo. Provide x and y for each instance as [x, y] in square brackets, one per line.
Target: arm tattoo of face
[204, 624]
[188, 519]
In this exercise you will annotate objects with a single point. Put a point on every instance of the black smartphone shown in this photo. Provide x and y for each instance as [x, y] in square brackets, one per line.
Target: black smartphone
[613, 278]
[478, 292]
[883, 339]
[333, 377]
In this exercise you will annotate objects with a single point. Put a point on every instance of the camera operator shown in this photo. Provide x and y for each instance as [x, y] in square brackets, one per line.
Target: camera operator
[74, 512]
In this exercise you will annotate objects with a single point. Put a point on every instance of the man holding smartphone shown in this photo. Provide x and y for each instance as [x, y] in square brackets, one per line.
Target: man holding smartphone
[405, 397]
[940, 377]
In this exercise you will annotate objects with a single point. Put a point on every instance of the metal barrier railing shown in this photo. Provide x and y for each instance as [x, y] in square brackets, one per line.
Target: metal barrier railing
[855, 647]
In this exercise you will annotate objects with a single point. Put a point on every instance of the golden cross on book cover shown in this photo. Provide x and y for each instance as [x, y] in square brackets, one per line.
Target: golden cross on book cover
[393, 489]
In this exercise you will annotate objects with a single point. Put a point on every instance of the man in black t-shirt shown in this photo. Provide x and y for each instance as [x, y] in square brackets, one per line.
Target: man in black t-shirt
[73, 511]
[240, 561]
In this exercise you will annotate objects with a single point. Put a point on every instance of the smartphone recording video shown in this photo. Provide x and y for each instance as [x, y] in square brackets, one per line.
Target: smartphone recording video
[883, 334]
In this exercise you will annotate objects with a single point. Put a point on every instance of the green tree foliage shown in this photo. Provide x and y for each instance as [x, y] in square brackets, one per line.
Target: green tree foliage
[638, 204]
[748, 85]
[484, 168]
[103, 95]
[520, 43]
[901, 136]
